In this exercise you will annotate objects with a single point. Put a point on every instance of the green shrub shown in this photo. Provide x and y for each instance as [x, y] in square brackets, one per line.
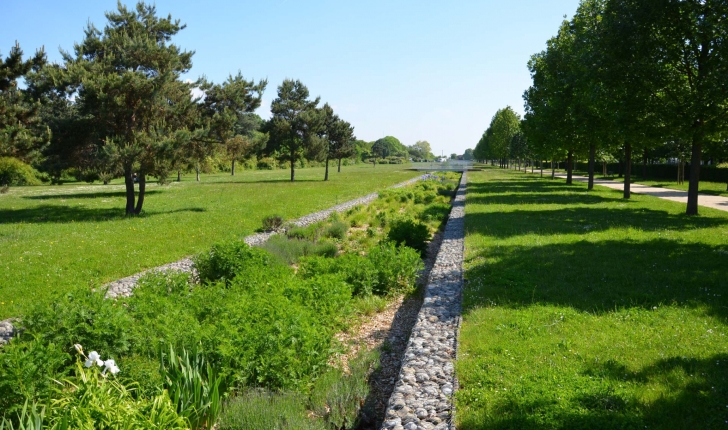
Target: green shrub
[386, 269]
[397, 267]
[143, 371]
[15, 172]
[337, 397]
[225, 260]
[262, 409]
[266, 164]
[308, 233]
[27, 371]
[336, 230]
[290, 251]
[272, 223]
[410, 233]
[435, 212]
[83, 317]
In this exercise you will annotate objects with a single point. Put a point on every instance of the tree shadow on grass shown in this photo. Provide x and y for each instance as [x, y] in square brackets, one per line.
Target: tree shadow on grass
[580, 220]
[63, 214]
[544, 198]
[90, 195]
[601, 276]
[699, 403]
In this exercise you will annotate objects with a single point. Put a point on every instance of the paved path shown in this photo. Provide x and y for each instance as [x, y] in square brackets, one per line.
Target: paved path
[715, 202]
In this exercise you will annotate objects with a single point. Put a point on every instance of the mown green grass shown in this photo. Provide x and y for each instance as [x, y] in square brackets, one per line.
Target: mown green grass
[584, 310]
[57, 237]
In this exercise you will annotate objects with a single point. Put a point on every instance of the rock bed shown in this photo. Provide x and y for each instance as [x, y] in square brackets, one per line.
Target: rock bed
[123, 287]
[423, 396]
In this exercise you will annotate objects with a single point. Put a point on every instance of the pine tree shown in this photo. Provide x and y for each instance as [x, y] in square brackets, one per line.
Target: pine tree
[127, 77]
[296, 121]
[22, 134]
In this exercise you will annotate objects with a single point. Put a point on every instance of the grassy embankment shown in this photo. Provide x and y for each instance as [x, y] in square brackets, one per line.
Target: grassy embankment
[54, 238]
[583, 310]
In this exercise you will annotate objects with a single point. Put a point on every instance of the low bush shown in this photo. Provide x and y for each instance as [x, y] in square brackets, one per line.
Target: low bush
[81, 317]
[272, 223]
[410, 233]
[308, 233]
[15, 172]
[385, 270]
[336, 230]
[337, 397]
[397, 268]
[290, 251]
[266, 164]
[27, 371]
[262, 409]
[225, 260]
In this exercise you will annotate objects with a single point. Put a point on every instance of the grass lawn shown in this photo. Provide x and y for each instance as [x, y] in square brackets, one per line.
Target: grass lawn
[583, 310]
[53, 238]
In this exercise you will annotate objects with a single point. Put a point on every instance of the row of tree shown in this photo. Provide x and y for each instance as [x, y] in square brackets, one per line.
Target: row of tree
[626, 77]
[117, 105]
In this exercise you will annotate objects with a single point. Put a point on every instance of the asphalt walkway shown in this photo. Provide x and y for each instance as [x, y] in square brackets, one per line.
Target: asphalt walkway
[715, 202]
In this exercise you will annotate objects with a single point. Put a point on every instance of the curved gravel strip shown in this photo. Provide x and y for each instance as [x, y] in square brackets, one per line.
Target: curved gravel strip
[423, 396]
[123, 287]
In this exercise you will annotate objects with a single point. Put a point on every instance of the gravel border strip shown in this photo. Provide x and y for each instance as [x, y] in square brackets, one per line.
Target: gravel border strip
[124, 287]
[423, 396]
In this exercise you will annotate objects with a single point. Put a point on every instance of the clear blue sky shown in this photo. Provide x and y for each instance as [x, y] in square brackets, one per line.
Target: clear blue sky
[415, 69]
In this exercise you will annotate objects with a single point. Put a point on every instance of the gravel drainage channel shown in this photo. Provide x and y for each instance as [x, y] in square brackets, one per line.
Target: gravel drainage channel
[423, 395]
[124, 287]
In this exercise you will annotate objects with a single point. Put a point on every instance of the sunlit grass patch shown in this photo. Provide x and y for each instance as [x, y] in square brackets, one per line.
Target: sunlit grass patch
[583, 310]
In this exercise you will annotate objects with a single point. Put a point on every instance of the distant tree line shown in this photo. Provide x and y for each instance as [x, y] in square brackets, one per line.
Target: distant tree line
[117, 106]
[625, 80]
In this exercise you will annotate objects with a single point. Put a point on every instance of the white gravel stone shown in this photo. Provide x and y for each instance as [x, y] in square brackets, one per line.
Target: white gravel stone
[427, 370]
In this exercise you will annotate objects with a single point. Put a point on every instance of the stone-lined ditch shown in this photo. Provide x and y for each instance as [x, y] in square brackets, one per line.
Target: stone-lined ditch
[423, 396]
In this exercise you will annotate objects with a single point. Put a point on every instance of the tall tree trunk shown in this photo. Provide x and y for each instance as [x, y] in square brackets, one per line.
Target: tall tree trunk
[592, 155]
[644, 165]
[604, 168]
[627, 169]
[533, 165]
[326, 175]
[232, 168]
[142, 188]
[339, 171]
[197, 173]
[129, 182]
[692, 208]
[540, 164]
[179, 176]
[569, 168]
[553, 170]
[293, 164]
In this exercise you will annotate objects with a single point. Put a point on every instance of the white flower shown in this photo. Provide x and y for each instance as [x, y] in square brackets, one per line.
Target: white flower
[94, 357]
[79, 348]
[111, 367]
